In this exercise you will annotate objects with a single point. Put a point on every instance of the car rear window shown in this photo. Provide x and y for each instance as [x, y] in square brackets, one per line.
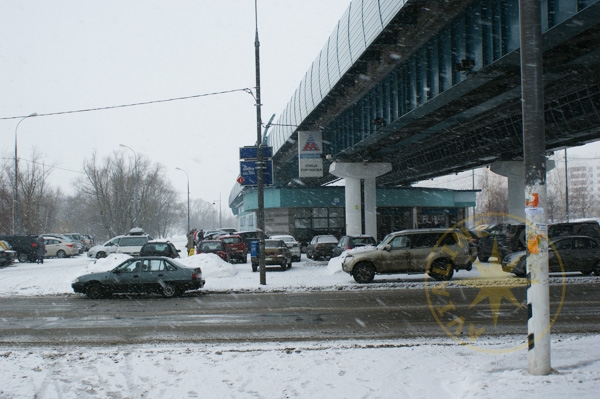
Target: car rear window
[364, 240]
[210, 246]
[157, 247]
[132, 241]
[232, 240]
[327, 239]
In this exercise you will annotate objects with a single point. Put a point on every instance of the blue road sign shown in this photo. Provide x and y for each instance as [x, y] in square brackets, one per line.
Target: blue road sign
[249, 173]
[252, 152]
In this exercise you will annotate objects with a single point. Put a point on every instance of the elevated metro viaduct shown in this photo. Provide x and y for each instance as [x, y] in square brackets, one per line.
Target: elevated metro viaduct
[426, 88]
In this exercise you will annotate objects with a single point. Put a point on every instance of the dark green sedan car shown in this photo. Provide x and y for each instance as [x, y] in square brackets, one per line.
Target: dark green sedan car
[162, 275]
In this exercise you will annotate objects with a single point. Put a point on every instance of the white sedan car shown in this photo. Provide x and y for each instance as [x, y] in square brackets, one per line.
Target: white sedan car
[59, 248]
[291, 243]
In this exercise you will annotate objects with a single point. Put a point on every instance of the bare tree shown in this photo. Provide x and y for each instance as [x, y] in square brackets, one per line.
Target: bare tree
[493, 198]
[110, 185]
[6, 200]
[37, 199]
[556, 198]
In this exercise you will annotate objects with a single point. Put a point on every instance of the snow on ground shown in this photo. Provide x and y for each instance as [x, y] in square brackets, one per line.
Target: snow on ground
[329, 369]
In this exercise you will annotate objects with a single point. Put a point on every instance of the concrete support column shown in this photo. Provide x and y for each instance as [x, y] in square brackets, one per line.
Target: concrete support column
[353, 206]
[353, 173]
[370, 207]
[515, 172]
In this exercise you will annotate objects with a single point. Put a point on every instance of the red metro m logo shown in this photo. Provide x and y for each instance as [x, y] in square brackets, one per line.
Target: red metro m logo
[310, 145]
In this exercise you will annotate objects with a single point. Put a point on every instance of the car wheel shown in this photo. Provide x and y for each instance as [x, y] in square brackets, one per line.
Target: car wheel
[441, 269]
[95, 291]
[284, 266]
[363, 273]
[101, 255]
[597, 269]
[169, 291]
[289, 266]
[483, 258]
[254, 267]
[23, 257]
[61, 254]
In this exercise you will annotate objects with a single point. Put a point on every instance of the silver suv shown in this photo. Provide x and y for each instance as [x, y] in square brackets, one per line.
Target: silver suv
[129, 244]
[437, 252]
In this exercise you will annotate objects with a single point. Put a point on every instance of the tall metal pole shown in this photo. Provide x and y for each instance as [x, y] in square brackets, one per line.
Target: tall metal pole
[534, 149]
[214, 203]
[259, 160]
[188, 198]
[566, 186]
[135, 186]
[16, 194]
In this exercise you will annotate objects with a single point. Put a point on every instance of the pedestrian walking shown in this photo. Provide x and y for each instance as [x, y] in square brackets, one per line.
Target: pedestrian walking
[199, 236]
[40, 249]
[191, 248]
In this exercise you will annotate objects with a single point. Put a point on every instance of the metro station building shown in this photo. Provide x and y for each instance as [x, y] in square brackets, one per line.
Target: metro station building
[304, 212]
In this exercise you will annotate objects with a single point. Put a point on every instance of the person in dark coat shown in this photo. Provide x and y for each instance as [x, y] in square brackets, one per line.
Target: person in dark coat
[41, 249]
[190, 243]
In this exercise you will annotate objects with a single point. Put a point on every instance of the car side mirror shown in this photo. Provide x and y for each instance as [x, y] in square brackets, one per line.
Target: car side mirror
[387, 247]
[179, 250]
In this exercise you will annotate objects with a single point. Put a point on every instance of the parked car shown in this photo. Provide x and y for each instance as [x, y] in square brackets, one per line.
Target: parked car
[291, 243]
[216, 247]
[476, 234]
[321, 246]
[7, 255]
[574, 253]
[276, 253]
[130, 244]
[25, 246]
[141, 275]
[88, 240]
[60, 248]
[509, 238]
[349, 242]
[102, 251]
[159, 248]
[78, 244]
[504, 238]
[213, 234]
[77, 238]
[588, 228]
[248, 237]
[5, 258]
[437, 252]
[238, 252]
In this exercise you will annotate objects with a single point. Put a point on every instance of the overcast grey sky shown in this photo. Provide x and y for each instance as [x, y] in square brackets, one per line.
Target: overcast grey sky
[66, 55]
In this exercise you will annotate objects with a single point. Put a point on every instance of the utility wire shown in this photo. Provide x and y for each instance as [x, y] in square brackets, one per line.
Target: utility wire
[247, 90]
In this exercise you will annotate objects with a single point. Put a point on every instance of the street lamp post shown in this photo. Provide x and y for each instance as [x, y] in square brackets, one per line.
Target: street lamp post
[188, 198]
[16, 199]
[214, 203]
[135, 185]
